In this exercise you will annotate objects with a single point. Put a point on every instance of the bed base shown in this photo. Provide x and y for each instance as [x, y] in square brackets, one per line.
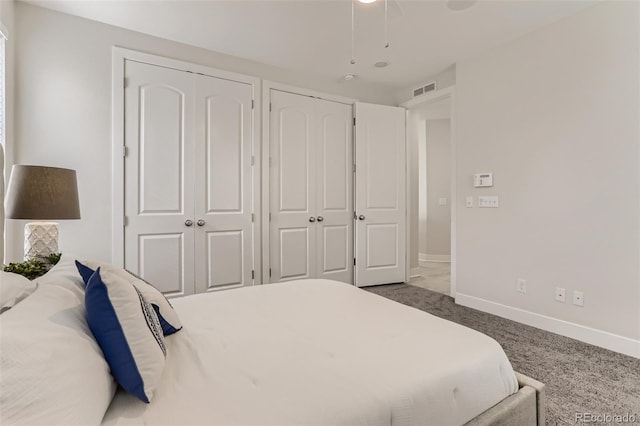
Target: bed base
[523, 408]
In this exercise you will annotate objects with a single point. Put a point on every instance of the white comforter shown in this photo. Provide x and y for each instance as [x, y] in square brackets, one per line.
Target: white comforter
[318, 352]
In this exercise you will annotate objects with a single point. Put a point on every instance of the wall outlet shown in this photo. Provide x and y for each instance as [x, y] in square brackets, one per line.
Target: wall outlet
[521, 285]
[578, 298]
[469, 201]
[560, 294]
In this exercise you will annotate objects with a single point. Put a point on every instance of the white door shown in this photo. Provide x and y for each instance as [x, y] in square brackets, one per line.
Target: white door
[380, 194]
[223, 184]
[311, 181]
[292, 186]
[159, 132]
[334, 193]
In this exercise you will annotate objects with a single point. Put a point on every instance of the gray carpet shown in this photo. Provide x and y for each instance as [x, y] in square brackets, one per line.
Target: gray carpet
[579, 378]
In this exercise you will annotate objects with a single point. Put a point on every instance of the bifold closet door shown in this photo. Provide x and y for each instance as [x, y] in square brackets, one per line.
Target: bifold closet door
[311, 178]
[188, 179]
[223, 184]
[334, 191]
[159, 180]
[292, 186]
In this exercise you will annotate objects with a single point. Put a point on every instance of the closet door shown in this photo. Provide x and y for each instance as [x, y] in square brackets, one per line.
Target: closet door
[159, 123]
[380, 194]
[334, 183]
[223, 184]
[292, 187]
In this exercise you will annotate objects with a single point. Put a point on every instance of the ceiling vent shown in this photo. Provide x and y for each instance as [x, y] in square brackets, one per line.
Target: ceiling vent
[426, 88]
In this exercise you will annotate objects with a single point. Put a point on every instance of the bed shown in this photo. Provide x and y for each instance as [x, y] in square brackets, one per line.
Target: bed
[311, 352]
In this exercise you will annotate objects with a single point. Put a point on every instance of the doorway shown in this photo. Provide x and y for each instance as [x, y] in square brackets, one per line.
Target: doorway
[432, 193]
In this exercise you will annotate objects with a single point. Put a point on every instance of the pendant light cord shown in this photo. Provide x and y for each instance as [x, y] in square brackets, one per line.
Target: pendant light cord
[353, 31]
[386, 31]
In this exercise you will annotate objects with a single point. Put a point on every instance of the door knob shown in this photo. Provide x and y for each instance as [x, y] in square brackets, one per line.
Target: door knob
[188, 222]
[361, 217]
[200, 222]
[320, 218]
[312, 219]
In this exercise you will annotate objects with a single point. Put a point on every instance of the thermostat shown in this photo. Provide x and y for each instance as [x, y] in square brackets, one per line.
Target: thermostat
[483, 180]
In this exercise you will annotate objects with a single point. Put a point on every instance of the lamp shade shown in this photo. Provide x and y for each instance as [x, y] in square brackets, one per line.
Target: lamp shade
[42, 193]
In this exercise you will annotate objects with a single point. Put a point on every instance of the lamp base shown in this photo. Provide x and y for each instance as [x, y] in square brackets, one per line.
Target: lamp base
[40, 239]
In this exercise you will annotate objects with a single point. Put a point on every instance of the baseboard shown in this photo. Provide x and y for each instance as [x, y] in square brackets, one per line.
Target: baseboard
[414, 272]
[585, 334]
[424, 257]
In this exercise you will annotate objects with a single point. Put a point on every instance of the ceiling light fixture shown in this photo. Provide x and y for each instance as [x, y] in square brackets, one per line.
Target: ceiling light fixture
[348, 77]
[367, 1]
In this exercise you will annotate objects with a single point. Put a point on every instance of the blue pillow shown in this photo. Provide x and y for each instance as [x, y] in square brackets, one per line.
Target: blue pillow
[128, 332]
[85, 272]
[167, 316]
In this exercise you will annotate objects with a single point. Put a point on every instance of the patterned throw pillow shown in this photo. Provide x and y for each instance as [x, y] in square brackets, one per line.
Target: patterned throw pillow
[166, 314]
[127, 329]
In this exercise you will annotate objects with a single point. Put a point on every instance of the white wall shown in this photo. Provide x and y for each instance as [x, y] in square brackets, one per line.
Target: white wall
[7, 20]
[555, 116]
[435, 226]
[63, 108]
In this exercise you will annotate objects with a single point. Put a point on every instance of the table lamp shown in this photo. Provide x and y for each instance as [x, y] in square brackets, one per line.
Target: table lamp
[43, 194]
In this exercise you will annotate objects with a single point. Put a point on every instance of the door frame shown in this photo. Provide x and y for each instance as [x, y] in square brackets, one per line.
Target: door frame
[415, 103]
[267, 86]
[118, 150]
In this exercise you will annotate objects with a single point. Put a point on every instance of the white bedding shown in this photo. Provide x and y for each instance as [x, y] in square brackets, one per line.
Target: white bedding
[318, 352]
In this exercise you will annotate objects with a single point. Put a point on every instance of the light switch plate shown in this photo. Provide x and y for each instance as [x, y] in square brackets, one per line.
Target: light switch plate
[469, 201]
[578, 298]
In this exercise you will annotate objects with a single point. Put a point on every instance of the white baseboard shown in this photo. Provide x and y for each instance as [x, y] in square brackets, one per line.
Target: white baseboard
[424, 257]
[585, 334]
[415, 272]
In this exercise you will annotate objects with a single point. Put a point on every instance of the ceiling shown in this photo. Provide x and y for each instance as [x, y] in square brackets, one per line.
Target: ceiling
[314, 36]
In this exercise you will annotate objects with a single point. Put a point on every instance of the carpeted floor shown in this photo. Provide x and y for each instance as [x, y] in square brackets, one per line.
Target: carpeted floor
[579, 378]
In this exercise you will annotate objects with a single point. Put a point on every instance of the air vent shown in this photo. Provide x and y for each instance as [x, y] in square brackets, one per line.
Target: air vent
[425, 88]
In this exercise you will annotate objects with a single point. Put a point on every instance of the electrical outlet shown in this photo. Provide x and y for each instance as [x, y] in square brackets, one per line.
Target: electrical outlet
[578, 298]
[521, 285]
[560, 294]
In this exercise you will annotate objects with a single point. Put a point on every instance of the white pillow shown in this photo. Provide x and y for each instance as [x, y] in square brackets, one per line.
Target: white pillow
[169, 320]
[128, 331]
[13, 289]
[52, 370]
[64, 273]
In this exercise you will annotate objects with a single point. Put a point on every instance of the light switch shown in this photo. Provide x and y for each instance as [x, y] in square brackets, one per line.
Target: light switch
[490, 201]
[469, 201]
[443, 201]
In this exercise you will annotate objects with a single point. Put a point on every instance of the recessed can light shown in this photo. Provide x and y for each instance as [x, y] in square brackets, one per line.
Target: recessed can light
[381, 64]
[367, 1]
[348, 77]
